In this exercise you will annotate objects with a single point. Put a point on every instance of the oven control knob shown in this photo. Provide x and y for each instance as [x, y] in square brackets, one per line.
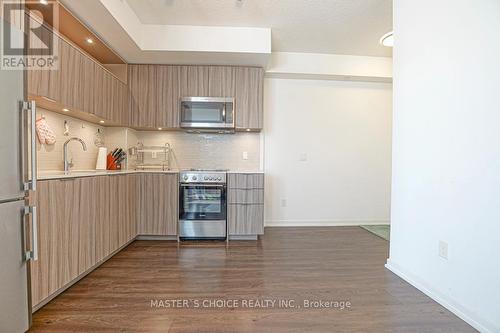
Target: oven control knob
[220, 178]
[195, 178]
[211, 178]
[206, 178]
[186, 177]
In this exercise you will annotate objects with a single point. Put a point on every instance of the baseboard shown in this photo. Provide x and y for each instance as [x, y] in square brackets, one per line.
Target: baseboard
[243, 237]
[463, 313]
[156, 238]
[325, 223]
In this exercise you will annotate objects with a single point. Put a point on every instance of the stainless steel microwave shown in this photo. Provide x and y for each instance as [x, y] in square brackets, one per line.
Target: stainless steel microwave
[207, 113]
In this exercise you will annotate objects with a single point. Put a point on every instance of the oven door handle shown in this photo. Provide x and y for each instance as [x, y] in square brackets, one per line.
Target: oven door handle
[203, 185]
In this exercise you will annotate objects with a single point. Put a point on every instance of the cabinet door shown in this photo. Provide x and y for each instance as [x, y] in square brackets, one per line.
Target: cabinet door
[86, 75]
[102, 201]
[245, 219]
[115, 213]
[43, 278]
[142, 85]
[222, 81]
[245, 211]
[103, 93]
[158, 204]
[249, 97]
[44, 83]
[87, 223]
[69, 76]
[194, 81]
[168, 96]
[126, 202]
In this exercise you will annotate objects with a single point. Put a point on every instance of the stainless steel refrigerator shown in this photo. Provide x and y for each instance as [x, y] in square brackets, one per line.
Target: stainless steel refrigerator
[18, 241]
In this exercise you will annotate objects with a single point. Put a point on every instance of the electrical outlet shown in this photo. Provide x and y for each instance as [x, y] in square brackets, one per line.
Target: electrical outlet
[443, 250]
[245, 155]
[283, 202]
[303, 157]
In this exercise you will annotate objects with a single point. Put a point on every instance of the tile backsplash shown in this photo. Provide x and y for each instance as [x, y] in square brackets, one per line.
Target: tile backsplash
[213, 151]
[50, 157]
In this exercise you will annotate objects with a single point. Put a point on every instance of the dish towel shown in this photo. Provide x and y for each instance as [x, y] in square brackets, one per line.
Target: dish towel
[44, 133]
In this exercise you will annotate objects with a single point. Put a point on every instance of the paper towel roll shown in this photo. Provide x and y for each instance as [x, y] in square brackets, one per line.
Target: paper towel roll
[101, 158]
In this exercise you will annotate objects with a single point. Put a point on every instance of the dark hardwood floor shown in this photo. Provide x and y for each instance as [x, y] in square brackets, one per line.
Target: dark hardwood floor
[328, 264]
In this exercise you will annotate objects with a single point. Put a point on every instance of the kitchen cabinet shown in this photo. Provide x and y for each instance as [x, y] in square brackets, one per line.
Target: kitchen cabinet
[158, 204]
[142, 85]
[80, 83]
[81, 221]
[156, 91]
[249, 97]
[194, 81]
[168, 96]
[45, 83]
[222, 81]
[58, 233]
[245, 209]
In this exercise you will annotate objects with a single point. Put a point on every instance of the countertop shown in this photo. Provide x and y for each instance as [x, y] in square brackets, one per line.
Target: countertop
[56, 174]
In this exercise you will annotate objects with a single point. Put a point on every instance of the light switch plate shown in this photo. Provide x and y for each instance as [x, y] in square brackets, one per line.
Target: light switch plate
[245, 155]
[303, 157]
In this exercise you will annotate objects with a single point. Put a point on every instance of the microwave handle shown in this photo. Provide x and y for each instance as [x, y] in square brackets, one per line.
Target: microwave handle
[223, 112]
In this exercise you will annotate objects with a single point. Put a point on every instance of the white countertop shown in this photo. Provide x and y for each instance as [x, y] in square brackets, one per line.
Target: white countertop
[56, 174]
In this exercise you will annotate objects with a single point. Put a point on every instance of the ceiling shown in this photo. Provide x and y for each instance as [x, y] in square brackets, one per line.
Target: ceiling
[310, 26]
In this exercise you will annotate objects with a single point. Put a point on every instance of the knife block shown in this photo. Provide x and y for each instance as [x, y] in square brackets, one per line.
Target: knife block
[111, 164]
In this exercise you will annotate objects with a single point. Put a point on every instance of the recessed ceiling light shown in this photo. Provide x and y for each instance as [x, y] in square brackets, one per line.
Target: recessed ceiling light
[90, 40]
[66, 110]
[159, 128]
[101, 121]
[44, 2]
[387, 39]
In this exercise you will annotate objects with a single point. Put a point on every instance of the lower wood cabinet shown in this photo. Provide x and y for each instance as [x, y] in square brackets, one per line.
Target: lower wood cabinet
[81, 221]
[158, 204]
[245, 209]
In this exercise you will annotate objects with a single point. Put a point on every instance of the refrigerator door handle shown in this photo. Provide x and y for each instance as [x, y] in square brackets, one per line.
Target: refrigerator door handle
[32, 254]
[31, 108]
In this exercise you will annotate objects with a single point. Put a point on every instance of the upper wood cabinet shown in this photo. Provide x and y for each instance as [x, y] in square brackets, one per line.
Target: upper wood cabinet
[168, 96]
[249, 97]
[152, 96]
[81, 84]
[142, 84]
[222, 81]
[45, 83]
[156, 91]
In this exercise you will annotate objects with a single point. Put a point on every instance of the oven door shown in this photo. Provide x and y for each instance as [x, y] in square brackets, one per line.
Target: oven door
[207, 112]
[202, 202]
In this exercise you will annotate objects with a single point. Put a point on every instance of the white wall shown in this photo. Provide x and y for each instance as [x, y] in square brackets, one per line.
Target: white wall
[345, 130]
[446, 154]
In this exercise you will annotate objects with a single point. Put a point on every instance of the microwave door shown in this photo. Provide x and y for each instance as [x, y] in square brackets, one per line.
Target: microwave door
[204, 114]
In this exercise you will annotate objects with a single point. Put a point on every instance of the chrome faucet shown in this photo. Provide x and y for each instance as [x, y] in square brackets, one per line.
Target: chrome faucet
[69, 164]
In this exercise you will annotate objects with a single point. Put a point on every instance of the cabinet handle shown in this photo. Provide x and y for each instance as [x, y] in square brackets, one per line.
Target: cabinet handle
[32, 254]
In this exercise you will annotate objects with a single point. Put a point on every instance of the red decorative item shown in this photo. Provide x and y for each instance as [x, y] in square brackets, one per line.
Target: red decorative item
[111, 163]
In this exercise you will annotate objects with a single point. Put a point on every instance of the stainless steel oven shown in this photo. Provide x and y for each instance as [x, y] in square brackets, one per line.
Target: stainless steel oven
[202, 205]
[207, 114]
